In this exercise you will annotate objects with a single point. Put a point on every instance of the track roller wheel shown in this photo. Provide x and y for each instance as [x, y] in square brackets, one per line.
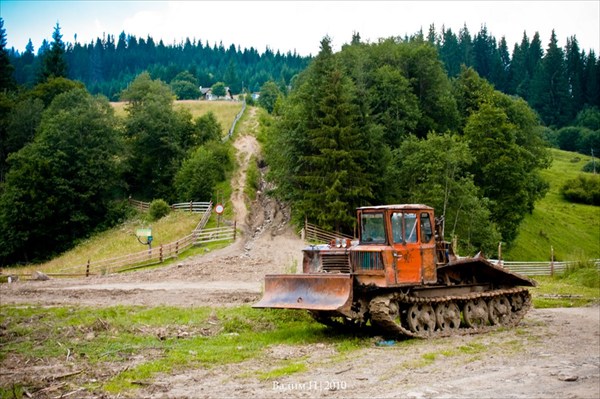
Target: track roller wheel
[421, 318]
[475, 313]
[447, 316]
[500, 311]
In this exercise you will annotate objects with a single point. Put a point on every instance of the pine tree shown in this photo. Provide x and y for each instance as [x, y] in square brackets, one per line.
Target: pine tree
[450, 52]
[575, 76]
[518, 74]
[592, 80]
[326, 154]
[54, 63]
[7, 80]
[550, 90]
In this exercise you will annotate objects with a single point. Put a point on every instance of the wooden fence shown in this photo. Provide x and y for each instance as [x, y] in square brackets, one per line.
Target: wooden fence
[313, 233]
[540, 268]
[149, 256]
[235, 121]
[195, 207]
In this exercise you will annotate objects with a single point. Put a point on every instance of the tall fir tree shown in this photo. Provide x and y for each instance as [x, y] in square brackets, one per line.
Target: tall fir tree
[575, 76]
[7, 80]
[550, 87]
[450, 52]
[592, 80]
[54, 63]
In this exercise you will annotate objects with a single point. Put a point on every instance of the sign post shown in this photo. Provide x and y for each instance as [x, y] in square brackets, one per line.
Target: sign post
[146, 236]
[219, 210]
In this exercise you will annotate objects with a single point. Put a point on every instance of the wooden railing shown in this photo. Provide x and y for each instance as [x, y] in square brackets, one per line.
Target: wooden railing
[542, 268]
[313, 233]
[195, 207]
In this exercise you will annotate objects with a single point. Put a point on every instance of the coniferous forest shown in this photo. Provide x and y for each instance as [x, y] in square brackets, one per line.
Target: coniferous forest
[455, 120]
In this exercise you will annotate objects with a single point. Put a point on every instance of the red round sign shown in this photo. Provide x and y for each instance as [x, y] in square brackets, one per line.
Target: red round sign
[219, 209]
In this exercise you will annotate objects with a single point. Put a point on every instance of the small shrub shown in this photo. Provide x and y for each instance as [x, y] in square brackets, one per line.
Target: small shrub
[158, 209]
[583, 189]
[591, 167]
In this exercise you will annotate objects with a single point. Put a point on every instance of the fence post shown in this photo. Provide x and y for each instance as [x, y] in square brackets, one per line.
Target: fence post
[160, 253]
[551, 260]
[177, 248]
[191, 208]
[500, 253]
[87, 269]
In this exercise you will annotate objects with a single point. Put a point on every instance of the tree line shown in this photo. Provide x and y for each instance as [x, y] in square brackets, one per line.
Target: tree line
[108, 64]
[557, 82]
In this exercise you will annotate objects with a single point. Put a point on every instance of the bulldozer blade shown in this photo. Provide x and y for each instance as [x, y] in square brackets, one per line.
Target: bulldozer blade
[307, 291]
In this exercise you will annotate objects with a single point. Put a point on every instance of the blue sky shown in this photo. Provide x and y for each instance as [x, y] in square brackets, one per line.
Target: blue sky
[295, 25]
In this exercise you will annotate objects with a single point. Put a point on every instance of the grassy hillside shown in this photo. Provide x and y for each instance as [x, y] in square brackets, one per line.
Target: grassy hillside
[120, 241]
[572, 229]
[225, 111]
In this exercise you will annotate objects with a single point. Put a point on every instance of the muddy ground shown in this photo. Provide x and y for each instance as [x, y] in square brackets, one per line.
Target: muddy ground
[553, 353]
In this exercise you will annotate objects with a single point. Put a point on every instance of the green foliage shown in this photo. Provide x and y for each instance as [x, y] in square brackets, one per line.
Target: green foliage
[59, 187]
[269, 93]
[144, 87]
[158, 138]
[52, 87]
[508, 148]
[185, 86]
[218, 89]
[323, 153]
[583, 273]
[435, 171]
[158, 209]
[550, 87]
[584, 189]
[592, 166]
[208, 128]
[393, 104]
[199, 174]
[588, 117]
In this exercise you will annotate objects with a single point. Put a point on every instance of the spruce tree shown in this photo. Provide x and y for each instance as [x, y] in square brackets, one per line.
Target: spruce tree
[54, 63]
[550, 91]
[6, 69]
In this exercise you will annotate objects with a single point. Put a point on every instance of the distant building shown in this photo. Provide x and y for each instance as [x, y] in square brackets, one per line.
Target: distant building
[206, 94]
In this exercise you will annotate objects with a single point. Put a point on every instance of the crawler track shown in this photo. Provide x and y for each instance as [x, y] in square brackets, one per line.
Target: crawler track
[402, 314]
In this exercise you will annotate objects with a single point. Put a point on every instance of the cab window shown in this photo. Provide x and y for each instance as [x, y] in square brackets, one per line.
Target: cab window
[404, 227]
[426, 230]
[372, 228]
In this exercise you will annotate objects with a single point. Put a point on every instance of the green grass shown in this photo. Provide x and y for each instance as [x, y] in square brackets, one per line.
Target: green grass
[133, 344]
[573, 230]
[225, 111]
[579, 285]
[120, 241]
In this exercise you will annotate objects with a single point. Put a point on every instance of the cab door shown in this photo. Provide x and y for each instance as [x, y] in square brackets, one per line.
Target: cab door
[427, 247]
[405, 241]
